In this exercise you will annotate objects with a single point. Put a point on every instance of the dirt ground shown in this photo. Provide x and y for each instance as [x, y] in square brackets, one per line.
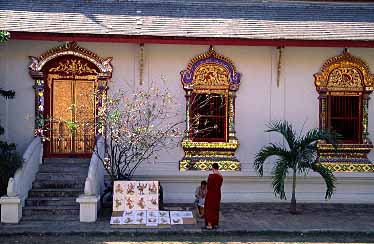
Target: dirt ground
[216, 238]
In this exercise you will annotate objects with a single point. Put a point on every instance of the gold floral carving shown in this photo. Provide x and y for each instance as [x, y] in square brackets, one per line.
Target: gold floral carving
[344, 72]
[344, 78]
[73, 66]
[211, 75]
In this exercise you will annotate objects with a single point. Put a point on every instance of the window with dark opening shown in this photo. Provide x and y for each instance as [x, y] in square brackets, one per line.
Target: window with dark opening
[344, 117]
[208, 117]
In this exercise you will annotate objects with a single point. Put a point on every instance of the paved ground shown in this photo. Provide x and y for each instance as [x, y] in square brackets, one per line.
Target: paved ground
[218, 238]
[237, 219]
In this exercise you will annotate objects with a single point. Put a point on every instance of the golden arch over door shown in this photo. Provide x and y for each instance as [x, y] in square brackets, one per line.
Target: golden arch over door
[69, 87]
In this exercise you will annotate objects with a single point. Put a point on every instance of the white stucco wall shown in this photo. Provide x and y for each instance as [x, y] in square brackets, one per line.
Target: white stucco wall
[259, 100]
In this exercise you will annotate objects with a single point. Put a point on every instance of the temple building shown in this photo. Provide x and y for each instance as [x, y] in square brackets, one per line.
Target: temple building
[308, 62]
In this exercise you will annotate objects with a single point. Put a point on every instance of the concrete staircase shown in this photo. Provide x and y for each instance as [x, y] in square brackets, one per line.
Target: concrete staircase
[55, 189]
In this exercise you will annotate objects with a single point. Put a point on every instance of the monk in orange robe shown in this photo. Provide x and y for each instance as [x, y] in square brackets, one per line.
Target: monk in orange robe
[213, 198]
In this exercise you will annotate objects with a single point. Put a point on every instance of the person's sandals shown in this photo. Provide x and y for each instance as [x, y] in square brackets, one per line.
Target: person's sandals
[209, 227]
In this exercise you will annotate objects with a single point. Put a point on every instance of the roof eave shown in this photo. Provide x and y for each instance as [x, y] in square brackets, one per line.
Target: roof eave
[116, 38]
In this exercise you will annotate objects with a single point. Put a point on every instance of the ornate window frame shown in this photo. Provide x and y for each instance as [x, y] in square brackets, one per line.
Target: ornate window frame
[346, 157]
[200, 155]
[68, 49]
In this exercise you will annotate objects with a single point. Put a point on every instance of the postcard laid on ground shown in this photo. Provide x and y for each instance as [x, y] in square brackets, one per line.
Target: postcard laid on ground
[152, 221]
[176, 220]
[163, 221]
[186, 214]
[116, 220]
[129, 213]
[164, 214]
[129, 220]
[153, 214]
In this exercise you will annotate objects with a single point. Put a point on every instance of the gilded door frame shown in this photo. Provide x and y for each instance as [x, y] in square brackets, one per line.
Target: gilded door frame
[101, 68]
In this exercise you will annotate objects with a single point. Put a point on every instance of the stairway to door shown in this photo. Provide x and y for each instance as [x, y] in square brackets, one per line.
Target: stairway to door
[57, 185]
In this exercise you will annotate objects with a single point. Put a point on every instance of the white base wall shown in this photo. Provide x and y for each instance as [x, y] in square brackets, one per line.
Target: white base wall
[246, 186]
[254, 189]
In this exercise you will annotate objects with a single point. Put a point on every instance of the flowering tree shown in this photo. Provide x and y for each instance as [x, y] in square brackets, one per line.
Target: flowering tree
[136, 127]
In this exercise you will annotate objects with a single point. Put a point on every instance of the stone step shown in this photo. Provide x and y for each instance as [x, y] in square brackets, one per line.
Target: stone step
[68, 176]
[71, 163]
[51, 201]
[67, 161]
[55, 192]
[58, 183]
[51, 210]
[48, 218]
[62, 184]
[63, 169]
[66, 164]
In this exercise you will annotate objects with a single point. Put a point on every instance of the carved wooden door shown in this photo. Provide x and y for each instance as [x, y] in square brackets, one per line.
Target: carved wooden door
[70, 111]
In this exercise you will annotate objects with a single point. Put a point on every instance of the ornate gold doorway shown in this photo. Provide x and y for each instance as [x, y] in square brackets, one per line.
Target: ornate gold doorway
[71, 127]
[70, 83]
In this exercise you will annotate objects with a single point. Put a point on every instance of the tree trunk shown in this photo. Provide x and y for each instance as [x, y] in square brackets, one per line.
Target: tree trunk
[293, 199]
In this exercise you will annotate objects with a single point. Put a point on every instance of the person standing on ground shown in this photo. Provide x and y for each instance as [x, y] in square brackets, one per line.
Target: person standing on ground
[213, 198]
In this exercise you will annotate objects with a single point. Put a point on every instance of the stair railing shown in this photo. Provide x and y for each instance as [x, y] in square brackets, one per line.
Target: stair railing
[21, 183]
[94, 185]
[25, 176]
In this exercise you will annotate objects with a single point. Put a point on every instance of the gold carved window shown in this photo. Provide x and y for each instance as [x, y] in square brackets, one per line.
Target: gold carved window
[210, 82]
[344, 85]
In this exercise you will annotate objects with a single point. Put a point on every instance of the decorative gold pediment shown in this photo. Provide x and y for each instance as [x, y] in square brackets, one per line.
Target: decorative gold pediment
[210, 71]
[211, 75]
[344, 73]
[71, 48]
[73, 66]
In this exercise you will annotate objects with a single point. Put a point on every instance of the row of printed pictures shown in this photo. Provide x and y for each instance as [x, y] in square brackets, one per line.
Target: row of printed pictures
[149, 213]
[136, 188]
[135, 220]
[122, 203]
[152, 217]
[158, 213]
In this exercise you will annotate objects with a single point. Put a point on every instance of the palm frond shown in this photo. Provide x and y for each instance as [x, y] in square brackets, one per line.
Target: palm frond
[314, 135]
[285, 129]
[279, 176]
[327, 176]
[266, 152]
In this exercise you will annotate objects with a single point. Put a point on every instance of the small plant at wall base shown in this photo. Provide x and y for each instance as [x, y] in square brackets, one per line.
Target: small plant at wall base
[9, 158]
[4, 36]
[298, 154]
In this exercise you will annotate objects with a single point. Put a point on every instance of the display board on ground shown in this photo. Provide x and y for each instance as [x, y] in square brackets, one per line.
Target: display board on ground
[135, 195]
[135, 205]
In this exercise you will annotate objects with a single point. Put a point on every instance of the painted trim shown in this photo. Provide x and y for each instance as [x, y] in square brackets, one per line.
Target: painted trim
[17, 35]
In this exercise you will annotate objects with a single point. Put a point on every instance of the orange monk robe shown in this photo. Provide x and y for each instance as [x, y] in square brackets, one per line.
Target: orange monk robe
[213, 199]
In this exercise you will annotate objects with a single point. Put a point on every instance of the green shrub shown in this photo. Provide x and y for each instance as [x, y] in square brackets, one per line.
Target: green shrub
[10, 161]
